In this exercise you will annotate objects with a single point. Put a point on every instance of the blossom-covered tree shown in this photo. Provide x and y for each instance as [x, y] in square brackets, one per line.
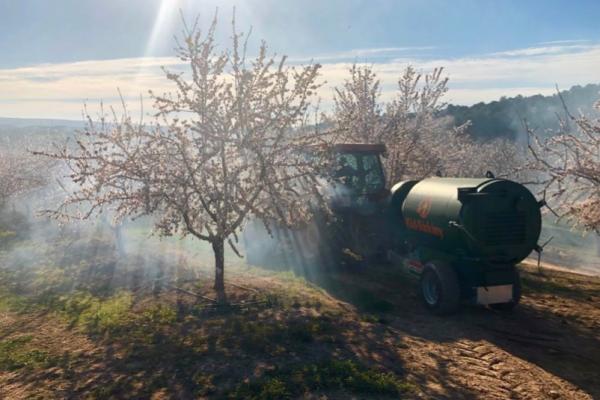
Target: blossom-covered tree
[567, 166]
[20, 171]
[420, 141]
[416, 137]
[227, 145]
[358, 113]
[417, 134]
[462, 156]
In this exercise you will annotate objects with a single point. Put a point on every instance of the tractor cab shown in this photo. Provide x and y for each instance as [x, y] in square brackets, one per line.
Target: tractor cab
[358, 200]
[359, 180]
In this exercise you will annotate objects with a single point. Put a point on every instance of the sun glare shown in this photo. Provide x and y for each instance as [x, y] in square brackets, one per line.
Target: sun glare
[163, 23]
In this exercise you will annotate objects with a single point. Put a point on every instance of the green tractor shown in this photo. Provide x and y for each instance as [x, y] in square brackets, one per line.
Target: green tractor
[462, 237]
[351, 236]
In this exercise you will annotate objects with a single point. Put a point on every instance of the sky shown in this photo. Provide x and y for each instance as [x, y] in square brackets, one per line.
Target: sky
[57, 55]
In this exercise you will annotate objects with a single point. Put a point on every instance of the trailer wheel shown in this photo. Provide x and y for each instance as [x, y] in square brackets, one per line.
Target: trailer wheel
[440, 290]
[516, 294]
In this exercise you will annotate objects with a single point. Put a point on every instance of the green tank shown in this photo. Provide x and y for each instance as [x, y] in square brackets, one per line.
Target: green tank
[464, 236]
[494, 219]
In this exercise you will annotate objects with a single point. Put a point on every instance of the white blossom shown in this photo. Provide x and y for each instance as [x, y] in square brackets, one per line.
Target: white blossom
[227, 144]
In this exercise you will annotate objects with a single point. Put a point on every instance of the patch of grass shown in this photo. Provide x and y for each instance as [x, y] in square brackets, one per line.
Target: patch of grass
[151, 326]
[263, 334]
[96, 314]
[17, 353]
[254, 336]
[12, 302]
[159, 315]
[343, 375]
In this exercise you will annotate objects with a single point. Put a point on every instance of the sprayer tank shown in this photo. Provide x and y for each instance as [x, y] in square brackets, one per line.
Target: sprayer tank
[494, 219]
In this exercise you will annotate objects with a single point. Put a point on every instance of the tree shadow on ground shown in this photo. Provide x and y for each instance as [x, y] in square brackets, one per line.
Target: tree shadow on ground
[191, 354]
[178, 349]
[555, 328]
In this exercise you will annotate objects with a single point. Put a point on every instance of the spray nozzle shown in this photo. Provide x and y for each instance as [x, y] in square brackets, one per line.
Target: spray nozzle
[539, 249]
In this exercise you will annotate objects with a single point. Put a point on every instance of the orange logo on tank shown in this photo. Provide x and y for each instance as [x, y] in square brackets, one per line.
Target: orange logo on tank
[424, 208]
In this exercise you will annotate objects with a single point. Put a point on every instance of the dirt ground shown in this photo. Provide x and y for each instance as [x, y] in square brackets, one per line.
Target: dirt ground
[548, 348]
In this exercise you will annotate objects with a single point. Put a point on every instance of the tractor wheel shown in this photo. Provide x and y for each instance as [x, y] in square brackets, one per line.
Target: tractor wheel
[440, 290]
[516, 294]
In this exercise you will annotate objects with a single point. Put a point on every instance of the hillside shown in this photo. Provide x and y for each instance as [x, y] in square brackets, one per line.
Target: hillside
[497, 119]
[503, 118]
[38, 123]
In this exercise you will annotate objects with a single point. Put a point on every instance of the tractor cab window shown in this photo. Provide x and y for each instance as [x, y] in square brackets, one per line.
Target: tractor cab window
[360, 171]
[374, 180]
[347, 169]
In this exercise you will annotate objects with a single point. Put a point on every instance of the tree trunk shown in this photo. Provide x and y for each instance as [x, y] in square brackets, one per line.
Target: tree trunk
[219, 250]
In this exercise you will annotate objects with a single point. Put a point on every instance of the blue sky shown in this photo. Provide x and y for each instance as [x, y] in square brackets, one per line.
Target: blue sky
[54, 55]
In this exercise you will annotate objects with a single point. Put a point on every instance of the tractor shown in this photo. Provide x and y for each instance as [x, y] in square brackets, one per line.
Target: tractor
[351, 236]
[462, 237]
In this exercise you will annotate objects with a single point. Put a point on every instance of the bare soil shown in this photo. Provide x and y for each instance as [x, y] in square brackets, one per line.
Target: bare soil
[548, 348]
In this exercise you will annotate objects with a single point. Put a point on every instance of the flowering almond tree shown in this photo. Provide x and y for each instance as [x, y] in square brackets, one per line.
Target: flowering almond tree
[227, 145]
[417, 139]
[567, 166]
[20, 172]
[358, 113]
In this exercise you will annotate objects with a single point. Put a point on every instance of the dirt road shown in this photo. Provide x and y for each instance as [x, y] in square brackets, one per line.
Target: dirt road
[548, 348]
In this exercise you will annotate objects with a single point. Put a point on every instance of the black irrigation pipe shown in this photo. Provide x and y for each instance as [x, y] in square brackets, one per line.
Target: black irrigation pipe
[214, 303]
[231, 306]
[243, 287]
[191, 293]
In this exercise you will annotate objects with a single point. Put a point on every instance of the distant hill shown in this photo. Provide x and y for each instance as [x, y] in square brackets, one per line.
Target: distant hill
[14, 130]
[497, 119]
[504, 118]
[39, 123]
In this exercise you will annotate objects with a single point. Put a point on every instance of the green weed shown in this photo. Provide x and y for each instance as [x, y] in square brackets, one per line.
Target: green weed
[12, 302]
[98, 315]
[331, 375]
[17, 353]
